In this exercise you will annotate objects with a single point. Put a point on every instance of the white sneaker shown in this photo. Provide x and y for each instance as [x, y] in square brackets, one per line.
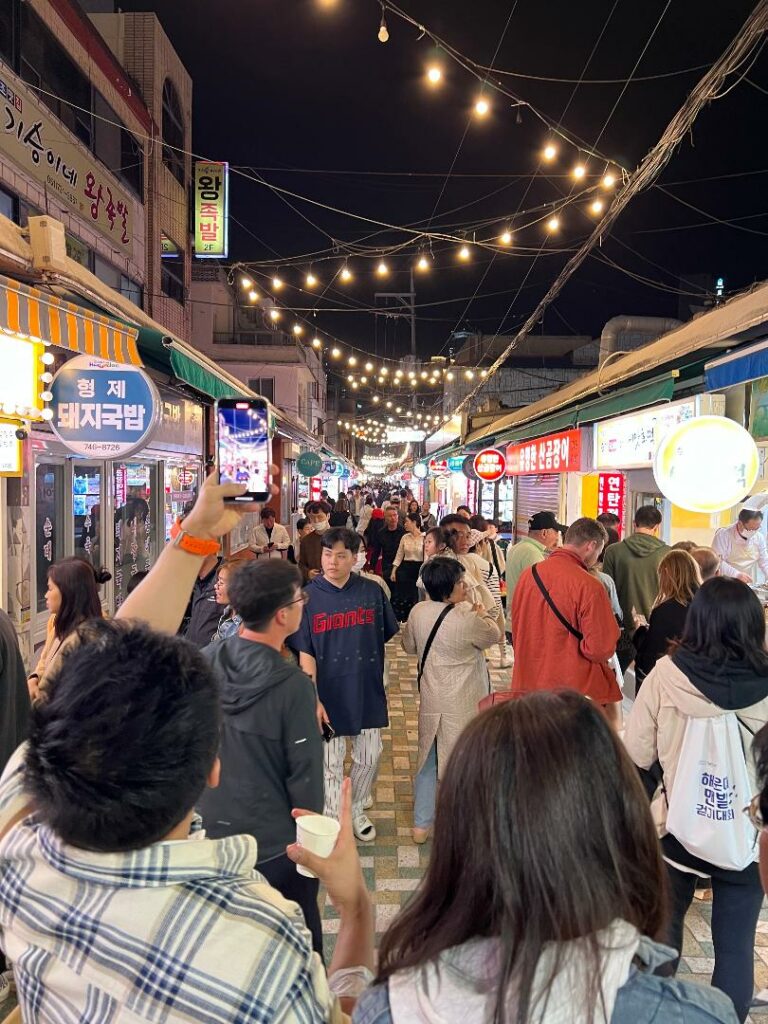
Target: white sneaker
[368, 803]
[364, 829]
[5, 987]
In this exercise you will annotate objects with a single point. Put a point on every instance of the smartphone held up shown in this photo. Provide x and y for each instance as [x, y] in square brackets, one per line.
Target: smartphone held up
[243, 445]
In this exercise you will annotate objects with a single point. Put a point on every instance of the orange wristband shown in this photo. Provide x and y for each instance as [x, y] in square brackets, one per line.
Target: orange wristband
[193, 545]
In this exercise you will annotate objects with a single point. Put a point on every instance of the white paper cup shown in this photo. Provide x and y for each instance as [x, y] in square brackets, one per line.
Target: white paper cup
[317, 834]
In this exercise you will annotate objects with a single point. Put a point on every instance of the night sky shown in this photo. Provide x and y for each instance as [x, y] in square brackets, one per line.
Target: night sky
[291, 86]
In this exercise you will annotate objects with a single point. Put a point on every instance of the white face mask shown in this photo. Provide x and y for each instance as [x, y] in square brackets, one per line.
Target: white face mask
[321, 527]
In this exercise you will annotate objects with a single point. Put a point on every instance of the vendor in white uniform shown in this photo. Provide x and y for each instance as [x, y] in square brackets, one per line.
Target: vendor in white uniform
[741, 547]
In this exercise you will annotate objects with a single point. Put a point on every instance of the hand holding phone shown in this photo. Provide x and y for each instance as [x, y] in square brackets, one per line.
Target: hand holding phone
[243, 446]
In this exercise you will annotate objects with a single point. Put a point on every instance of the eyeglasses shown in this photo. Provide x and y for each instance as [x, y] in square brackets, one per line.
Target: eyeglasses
[752, 811]
[303, 597]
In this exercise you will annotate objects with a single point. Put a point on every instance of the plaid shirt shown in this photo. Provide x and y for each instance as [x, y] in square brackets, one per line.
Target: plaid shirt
[177, 932]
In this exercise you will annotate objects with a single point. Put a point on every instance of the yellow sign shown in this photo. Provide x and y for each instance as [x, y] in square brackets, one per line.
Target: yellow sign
[20, 369]
[10, 450]
[35, 140]
[211, 210]
[707, 464]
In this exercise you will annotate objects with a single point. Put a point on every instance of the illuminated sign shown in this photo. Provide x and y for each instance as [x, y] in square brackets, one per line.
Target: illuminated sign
[438, 467]
[611, 495]
[706, 465]
[490, 464]
[630, 442]
[395, 435]
[211, 210]
[38, 143]
[420, 471]
[555, 453]
[10, 450]
[309, 464]
[20, 385]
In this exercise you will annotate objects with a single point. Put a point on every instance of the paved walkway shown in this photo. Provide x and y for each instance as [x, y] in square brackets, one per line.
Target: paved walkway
[393, 865]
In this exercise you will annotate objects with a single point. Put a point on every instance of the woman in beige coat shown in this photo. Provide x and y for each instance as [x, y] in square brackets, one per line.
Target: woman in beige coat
[453, 674]
[720, 666]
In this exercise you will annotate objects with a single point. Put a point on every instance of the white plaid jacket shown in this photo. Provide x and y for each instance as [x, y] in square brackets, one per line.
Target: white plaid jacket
[177, 932]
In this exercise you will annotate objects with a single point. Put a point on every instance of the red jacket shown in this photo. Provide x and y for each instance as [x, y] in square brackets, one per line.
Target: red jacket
[547, 656]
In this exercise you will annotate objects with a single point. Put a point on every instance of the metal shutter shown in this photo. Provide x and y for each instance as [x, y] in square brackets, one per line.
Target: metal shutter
[535, 494]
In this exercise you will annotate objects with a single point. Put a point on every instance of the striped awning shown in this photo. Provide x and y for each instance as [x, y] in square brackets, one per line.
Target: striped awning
[28, 312]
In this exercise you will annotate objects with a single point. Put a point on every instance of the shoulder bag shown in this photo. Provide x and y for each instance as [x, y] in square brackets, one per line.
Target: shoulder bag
[428, 644]
[562, 619]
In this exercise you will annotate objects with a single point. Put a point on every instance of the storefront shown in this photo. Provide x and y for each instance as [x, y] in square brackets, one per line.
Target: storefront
[624, 450]
[540, 469]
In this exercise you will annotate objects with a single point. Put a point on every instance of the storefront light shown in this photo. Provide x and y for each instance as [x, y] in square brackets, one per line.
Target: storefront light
[47, 358]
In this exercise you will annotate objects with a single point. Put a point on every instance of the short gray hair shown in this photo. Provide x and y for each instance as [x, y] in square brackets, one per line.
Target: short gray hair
[585, 531]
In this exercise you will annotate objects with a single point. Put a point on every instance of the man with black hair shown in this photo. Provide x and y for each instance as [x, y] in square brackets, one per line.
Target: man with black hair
[310, 559]
[109, 909]
[271, 749]
[741, 546]
[386, 541]
[464, 511]
[346, 623]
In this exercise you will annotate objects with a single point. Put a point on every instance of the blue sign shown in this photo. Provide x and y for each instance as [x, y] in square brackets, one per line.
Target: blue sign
[103, 409]
[455, 463]
[329, 468]
[309, 463]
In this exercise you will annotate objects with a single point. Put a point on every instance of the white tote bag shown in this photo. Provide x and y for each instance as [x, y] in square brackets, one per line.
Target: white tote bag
[711, 789]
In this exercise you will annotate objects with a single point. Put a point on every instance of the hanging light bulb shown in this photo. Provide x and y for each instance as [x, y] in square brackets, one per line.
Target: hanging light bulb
[316, 343]
[469, 375]
[434, 74]
[505, 238]
[464, 253]
[414, 383]
[596, 206]
[369, 367]
[363, 379]
[423, 263]
[346, 273]
[277, 283]
[549, 152]
[424, 374]
[398, 409]
[253, 295]
[383, 30]
[382, 270]
[246, 282]
[384, 371]
[449, 376]
[579, 171]
[553, 224]
[352, 360]
[389, 405]
[482, 107]
[335, 352]
[46, 358]
[274, 315]
[483, 373]
[375, 398]
[609, 180]
[411, 374]
[311, 280]
[350, 378]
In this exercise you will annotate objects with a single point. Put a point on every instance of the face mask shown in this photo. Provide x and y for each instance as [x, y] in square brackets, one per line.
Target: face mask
[321, 527]
[361, 560]
[748, 534]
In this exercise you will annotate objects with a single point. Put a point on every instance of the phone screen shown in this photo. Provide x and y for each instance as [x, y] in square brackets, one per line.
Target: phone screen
[243, 443]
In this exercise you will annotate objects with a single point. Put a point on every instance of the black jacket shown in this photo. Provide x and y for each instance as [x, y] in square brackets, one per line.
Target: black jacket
[203, 614]
[667, 622]
[386, 543]
[14, 695]
[271, 749]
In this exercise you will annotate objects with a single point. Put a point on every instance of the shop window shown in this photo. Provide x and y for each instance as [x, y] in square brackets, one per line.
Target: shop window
[106, 272]
[49, 538]
[132, 290]
[87, 506]
[135, 528]
[8, 39]
[173, 132]
[172, 276]
[264, 386]
[114, 145]
[7, 201]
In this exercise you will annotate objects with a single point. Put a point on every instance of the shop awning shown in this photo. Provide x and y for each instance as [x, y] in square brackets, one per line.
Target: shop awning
[738, 367]
[627, 400]
[550, 425]
[25, 310]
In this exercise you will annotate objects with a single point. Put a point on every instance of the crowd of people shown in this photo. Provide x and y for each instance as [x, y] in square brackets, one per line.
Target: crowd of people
[155, 766]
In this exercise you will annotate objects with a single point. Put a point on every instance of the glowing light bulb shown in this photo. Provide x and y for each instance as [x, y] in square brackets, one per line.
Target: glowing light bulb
[274, 314]
[350, 378]
[46, 358]
[384, 371]
[47, 396]
[246, 282]
[369, 367]
[47, 414]
[298, 330]
[375, 398]
[449, 376]
[253, 295]
[398, 374]
[46, 377]
[389, 405]
[277, 283]
[423, 263]
[609, 180]
[597, 206]
[434, 74]
[505, 238]
[483, 373]
[383, 30]
[553, 224]
[482, 107]
[414, 382]
[382, 270]
[411, 374]
[464, 253]
[311, 280]
[363, 379]
[316, 343]
[579, 171]
[469, 375]
[352, 360]
[424, 374]
[335, 352]
[550, 152]
[354, 385]
[346, 273]
[398, 409]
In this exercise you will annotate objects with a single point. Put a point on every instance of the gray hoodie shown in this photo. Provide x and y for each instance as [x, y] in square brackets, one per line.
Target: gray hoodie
[271, 749]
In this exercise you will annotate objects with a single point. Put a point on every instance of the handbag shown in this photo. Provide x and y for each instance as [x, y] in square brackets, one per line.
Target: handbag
[571, 629]
[428, 644]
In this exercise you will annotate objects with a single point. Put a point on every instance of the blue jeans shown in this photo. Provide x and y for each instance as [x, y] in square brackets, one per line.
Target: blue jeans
[425, 791]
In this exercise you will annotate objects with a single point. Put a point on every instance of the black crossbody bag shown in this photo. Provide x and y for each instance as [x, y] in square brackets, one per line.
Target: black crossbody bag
[428, 644]
[545, 593]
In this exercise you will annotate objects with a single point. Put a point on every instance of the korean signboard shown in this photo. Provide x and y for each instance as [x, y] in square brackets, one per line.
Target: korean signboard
[103, 409]
[10, 450]
[630, 442]
[490, 464]
[556, 453]
[35, 140]
[611, 495]
[438, 467]
[211, 210]
[398, 435]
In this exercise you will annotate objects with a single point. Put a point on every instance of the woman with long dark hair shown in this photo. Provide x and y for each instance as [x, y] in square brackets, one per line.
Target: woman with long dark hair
[341, 515]
[545, 890]
[406, 567]
[72, 598]
[719, 667]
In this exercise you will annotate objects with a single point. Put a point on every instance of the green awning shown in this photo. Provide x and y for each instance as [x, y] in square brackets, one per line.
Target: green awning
[627, 400]
[173, 360]
[537, 428]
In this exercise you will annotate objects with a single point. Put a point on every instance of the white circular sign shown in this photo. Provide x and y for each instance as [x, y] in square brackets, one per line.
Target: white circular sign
[707, 464]
[420, 471]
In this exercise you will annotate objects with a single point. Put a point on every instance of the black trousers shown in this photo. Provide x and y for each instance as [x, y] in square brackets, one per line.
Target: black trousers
[737, 897]
[281, 873]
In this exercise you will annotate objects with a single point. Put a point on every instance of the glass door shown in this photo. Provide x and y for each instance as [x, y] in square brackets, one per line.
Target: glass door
[135, 502]
[87, 511]
[182, 483]
[50, 541]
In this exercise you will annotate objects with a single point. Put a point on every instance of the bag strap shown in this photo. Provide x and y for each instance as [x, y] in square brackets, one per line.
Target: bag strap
[428, 644]
[495, 558]
[545, 593]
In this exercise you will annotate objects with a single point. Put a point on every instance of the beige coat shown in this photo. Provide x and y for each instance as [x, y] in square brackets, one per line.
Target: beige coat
[656, 726]
[455, 675]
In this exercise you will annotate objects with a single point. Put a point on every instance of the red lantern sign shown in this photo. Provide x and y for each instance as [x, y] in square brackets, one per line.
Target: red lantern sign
[611, 495]
[490, 464]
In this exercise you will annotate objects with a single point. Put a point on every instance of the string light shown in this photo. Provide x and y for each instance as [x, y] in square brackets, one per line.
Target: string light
[375, 398]
[352, 360]
[316, 343]
[298, 330]
[246, 282]
[464, 253]
[253, 295]
[382, 270]
[553, 224]
[482, 107]
[609, 180]
[505, 238]
[449, 376]
[277, 283]
[383, 30]
[423, 264]
[384, 371]
[579, 171]
[335, 352]
[549, 152]
[369, 367]
[346, 273]
[311, 281]
[597, 206]
[274, 315]
[469, 375]
[434, 74]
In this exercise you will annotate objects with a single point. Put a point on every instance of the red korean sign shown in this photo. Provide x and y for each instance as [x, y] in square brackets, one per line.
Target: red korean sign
[490, 464]
[611, 495]
[556, 453]
[438, 467]
[315, 487]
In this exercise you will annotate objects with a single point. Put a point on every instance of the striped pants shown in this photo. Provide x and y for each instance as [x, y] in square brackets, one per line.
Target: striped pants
[366, 751]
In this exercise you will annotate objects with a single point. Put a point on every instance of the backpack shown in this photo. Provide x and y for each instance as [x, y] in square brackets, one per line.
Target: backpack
[711, 789]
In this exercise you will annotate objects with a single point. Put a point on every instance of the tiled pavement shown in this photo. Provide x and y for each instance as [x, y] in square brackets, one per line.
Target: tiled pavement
[393, 865]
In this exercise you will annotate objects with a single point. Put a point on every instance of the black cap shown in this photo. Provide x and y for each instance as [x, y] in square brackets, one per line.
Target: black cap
[544, 521]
